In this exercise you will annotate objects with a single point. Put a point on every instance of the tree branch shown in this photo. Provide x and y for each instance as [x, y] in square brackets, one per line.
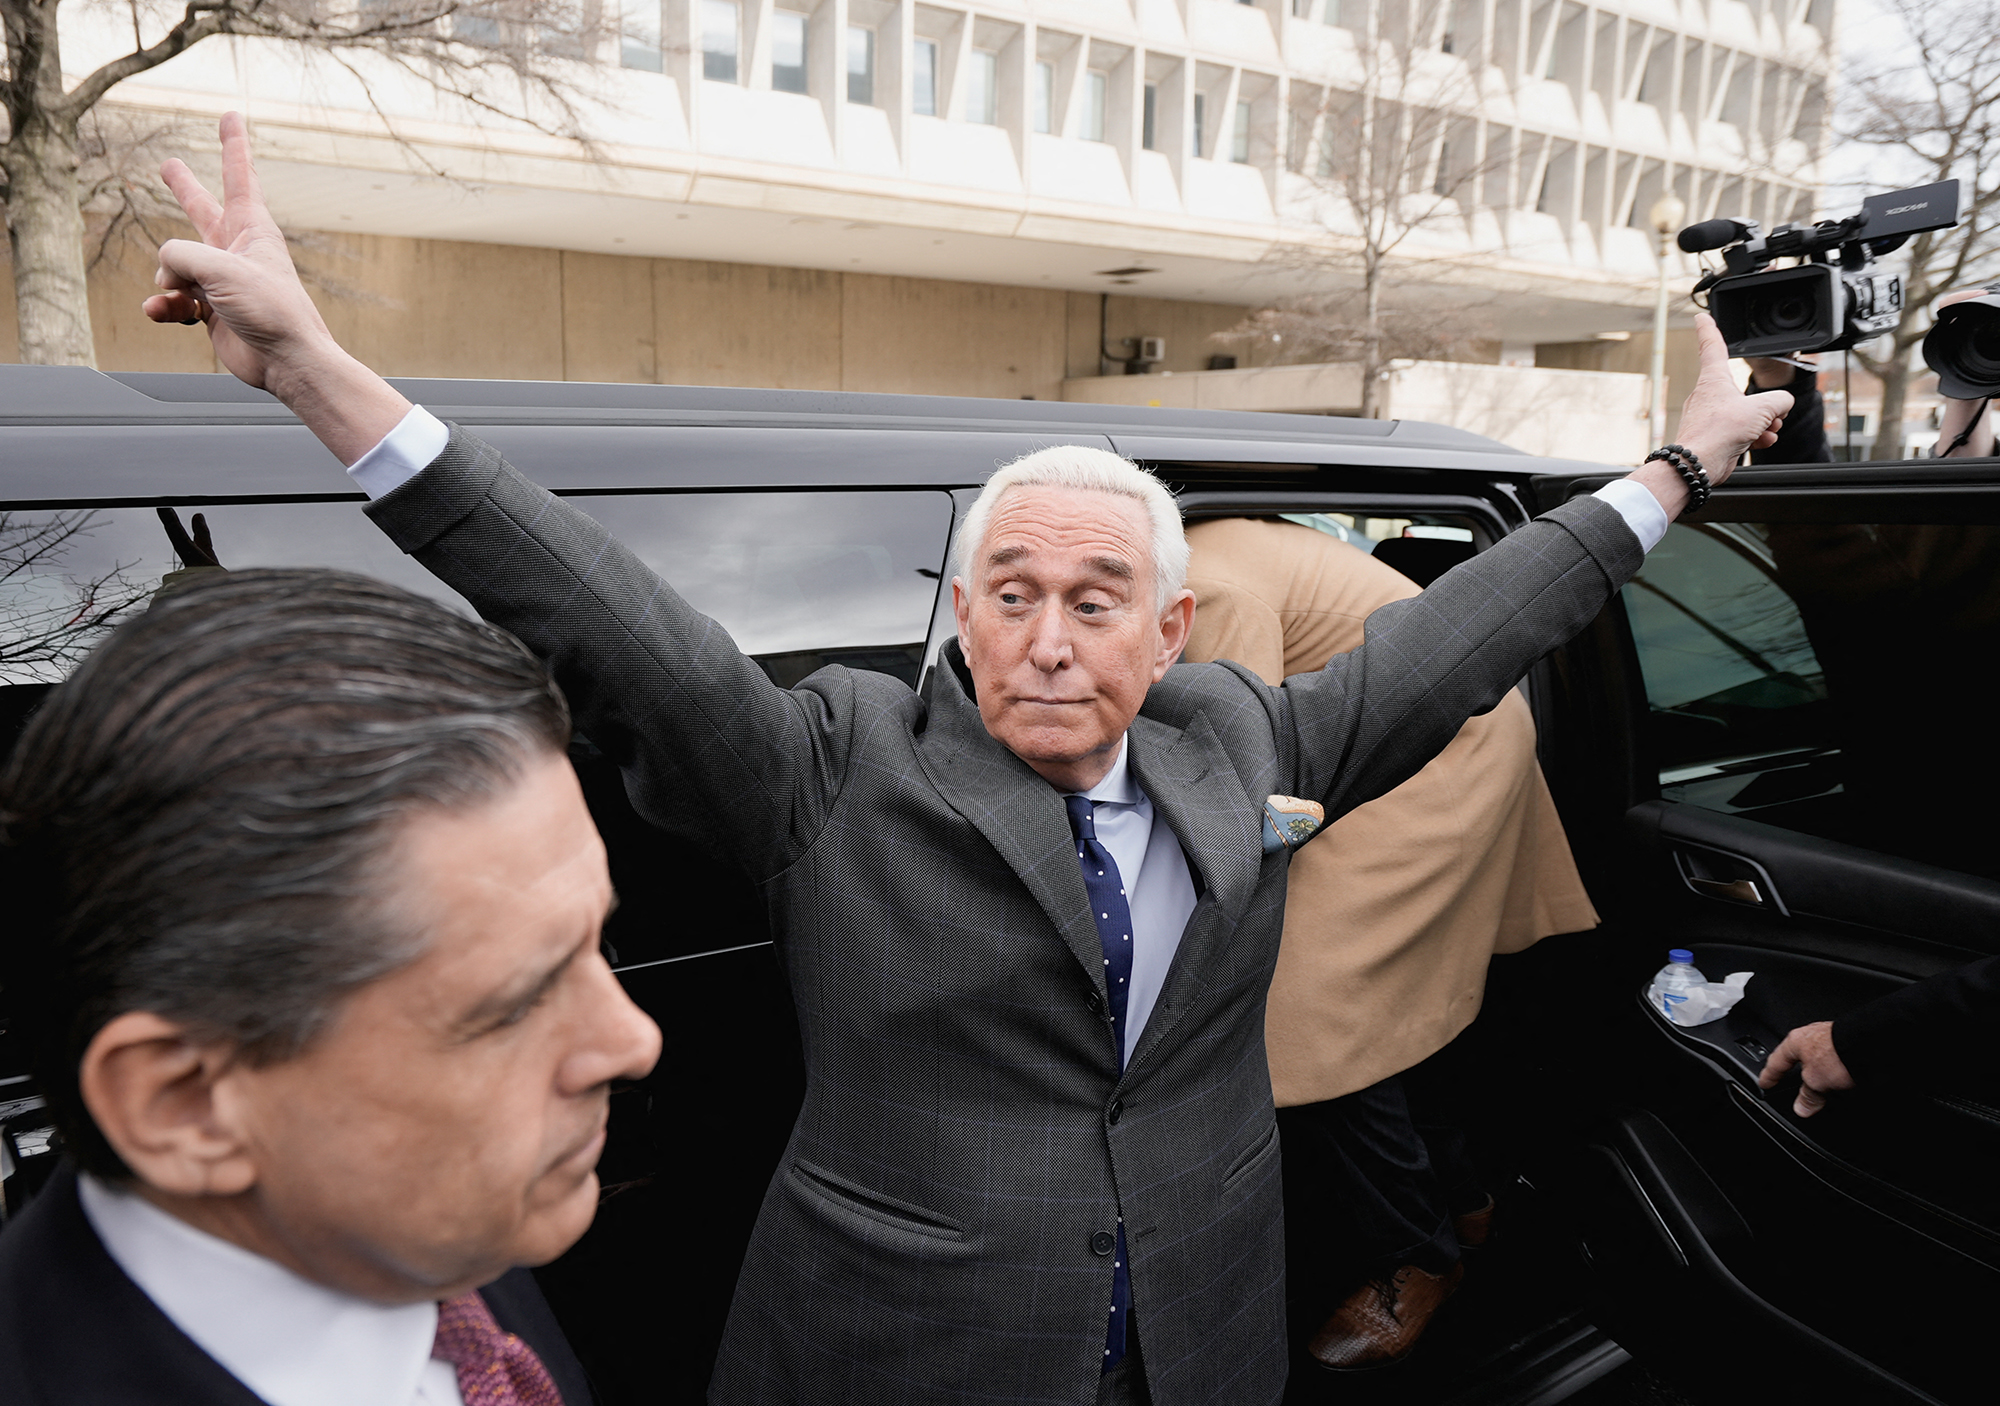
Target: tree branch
[201, 19]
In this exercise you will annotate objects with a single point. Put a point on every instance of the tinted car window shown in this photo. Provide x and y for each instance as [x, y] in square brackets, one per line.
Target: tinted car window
[794, 577]
[798, 579]
[92, 566]
[1830, 678]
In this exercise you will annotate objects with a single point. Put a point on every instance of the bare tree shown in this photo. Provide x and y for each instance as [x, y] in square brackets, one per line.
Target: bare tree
[1934, 114]
[48, 619]
[1388, 148]
[1336, 326]
[62, 154]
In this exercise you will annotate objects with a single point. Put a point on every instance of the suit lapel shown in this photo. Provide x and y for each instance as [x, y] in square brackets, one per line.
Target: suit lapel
[1194, 790]
[1020, 814]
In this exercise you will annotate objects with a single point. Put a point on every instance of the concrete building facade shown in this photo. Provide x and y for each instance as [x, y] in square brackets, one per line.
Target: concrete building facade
[993, 198]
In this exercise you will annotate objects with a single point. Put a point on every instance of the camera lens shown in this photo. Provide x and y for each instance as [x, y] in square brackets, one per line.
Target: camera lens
[1982, 348]
[1977, 357]
[1964, 349]
[1775, 316]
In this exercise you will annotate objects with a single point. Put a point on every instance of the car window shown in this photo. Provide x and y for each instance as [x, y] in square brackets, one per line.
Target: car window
[800, 580]
[1827, 677]
[67, 575]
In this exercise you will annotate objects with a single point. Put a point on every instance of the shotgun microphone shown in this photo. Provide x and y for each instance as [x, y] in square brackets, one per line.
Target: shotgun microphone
[1713, 234]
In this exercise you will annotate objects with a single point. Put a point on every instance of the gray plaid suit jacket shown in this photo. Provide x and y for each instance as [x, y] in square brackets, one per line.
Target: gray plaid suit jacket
[966, 1130]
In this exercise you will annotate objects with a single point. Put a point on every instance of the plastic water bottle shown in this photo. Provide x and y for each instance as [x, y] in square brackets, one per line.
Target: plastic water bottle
[1673, 982]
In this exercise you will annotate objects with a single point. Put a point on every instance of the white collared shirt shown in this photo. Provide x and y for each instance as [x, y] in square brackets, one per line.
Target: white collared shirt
[1158, 885]
[289, 1340]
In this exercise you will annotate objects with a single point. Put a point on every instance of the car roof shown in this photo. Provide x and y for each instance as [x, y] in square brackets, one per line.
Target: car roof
[171, 433]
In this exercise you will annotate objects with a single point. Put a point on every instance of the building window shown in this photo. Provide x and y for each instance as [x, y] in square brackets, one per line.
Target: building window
[1045, 97]
[1201, 124]
[639, 36]
[788, 51]
[982, 88]
[1093, 106]
[860, 64]
[719, 29]
[1239, 140]
[1146, 119]
[923, 77]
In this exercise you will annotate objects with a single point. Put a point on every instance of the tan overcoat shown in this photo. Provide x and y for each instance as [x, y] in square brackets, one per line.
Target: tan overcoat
[1394, 911]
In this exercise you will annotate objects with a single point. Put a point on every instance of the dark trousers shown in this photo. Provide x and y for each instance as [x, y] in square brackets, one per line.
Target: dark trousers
[1374, 1183]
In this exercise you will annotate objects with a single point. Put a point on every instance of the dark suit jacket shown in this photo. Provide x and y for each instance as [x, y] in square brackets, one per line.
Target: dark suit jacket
[74, 1331]
[1942, 1032]
[967, 1133]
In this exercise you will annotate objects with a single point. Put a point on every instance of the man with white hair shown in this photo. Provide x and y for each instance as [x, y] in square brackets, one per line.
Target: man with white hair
[1029, 915]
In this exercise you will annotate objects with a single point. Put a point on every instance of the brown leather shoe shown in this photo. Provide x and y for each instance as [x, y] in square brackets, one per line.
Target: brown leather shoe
[1474, 1228]
[1381, 1321]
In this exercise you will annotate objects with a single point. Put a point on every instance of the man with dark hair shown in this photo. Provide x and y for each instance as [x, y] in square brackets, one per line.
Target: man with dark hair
[306, 939]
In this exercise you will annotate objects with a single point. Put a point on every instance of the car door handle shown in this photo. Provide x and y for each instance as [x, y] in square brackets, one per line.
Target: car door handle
[1730, 890]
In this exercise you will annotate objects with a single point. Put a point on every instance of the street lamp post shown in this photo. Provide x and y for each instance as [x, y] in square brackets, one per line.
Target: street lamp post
[1666, 216]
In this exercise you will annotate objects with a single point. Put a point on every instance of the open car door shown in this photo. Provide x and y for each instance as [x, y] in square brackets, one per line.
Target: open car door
[1778, 749]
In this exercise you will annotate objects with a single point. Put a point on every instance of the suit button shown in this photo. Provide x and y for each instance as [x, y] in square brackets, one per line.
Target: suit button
[1114, 1112]
[1103, 1243]
[1095, 1002]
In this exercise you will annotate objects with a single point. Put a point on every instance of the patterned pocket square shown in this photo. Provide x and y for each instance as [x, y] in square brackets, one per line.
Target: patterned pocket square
[1289, 822]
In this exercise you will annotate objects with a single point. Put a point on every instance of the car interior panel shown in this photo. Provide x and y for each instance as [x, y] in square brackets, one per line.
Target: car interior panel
[1795, 800]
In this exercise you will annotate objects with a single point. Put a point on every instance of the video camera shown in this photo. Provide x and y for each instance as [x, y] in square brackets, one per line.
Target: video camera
[1817, 305]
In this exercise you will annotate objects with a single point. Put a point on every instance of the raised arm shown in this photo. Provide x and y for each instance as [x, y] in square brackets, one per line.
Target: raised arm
[711, 748]
[239, 281]
[1374, 717]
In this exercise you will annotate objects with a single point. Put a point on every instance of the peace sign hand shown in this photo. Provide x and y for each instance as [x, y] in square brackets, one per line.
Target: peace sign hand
[239, 279]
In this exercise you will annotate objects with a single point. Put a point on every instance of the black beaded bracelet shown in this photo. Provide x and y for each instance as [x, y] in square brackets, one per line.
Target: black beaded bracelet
[1689, 468]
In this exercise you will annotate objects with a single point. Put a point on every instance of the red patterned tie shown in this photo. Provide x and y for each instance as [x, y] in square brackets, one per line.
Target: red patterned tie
[495, 1368]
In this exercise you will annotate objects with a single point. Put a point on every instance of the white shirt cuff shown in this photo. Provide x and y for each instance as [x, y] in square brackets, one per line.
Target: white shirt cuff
[404, 452]
[1635, 503]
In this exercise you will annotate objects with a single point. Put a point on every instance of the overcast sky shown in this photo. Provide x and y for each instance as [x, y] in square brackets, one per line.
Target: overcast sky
[1871, 34]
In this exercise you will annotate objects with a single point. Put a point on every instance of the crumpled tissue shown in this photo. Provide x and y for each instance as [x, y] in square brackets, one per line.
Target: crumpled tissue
[1711, 1000]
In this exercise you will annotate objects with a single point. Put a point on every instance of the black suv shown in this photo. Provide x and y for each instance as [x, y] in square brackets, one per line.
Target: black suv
[1773, 749]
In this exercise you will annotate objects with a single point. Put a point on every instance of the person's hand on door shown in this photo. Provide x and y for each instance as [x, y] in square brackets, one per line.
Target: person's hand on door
[1810, 1048]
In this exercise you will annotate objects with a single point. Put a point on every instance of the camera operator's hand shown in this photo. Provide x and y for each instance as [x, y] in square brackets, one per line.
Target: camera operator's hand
[1719, 423]
[1960, 415]
[239, 280]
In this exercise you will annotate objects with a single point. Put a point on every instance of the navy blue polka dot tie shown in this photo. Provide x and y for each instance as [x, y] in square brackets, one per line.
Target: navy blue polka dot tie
[1113, 914]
